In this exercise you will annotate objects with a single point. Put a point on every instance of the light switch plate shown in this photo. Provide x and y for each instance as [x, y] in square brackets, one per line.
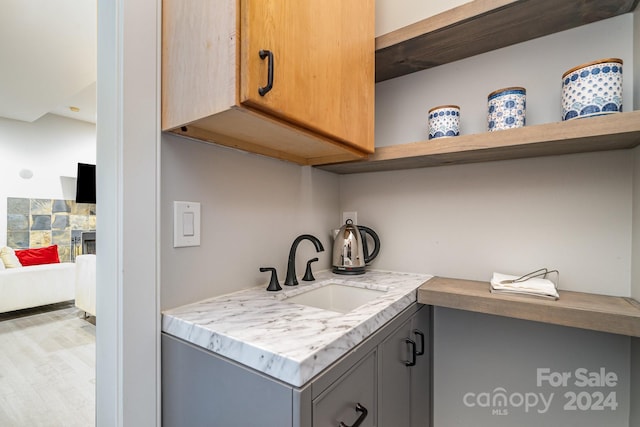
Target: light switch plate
[186, 224]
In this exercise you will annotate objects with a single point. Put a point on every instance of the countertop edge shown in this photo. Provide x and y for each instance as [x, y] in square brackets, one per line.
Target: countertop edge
[603, 313]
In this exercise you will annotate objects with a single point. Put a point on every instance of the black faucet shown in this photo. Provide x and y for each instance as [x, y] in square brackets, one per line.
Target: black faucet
[291, 279]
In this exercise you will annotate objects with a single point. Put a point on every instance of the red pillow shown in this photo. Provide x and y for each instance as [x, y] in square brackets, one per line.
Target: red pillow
[37, 256]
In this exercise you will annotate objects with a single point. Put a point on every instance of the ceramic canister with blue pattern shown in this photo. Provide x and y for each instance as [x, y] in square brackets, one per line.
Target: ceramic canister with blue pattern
[444, 121]
[592, 89]
[506, 108]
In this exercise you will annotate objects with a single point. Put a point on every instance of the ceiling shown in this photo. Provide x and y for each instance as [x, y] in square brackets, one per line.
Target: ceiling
[48, 54]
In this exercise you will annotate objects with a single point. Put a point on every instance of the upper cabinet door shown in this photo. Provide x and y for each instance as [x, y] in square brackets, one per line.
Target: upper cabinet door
[321, 54]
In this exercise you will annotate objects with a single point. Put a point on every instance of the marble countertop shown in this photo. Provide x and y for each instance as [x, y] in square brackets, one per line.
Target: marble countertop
[288, 341]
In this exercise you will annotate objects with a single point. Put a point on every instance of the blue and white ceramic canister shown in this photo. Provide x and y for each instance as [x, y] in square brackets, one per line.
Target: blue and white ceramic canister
[592, 89]
[444, 121]
[506, 108]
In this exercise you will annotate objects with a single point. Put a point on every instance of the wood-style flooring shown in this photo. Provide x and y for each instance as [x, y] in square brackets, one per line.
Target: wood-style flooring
[47, 368]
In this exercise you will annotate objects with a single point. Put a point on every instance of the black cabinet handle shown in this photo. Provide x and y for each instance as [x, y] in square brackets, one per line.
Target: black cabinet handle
[360, 420]
[421, 335]
[267, 54]
[412, 343]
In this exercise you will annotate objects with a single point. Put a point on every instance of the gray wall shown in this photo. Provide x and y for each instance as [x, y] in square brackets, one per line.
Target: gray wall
[252, 209]
[571, 213]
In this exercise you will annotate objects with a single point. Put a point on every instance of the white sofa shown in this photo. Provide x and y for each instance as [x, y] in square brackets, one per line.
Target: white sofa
[36, 285]
[86, 283]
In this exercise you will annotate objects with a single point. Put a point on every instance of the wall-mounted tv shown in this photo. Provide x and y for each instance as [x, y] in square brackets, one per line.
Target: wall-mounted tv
[86, 183]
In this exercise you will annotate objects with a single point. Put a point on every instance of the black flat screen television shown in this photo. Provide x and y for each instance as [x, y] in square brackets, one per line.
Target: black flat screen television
[86, 183]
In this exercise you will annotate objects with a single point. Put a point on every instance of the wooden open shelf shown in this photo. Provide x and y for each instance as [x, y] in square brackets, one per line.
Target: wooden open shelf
[611, 132]
[602, 313]
[482, 26]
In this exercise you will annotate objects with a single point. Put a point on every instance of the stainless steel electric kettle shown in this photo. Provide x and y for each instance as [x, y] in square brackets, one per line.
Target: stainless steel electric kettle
[351, 250]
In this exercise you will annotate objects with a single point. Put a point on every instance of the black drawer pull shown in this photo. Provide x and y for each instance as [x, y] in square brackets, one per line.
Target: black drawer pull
[267, 54]
[412, 343]
[359, 408]
[421, 335]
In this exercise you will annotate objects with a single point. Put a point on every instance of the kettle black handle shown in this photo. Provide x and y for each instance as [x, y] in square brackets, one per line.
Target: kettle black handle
[365, 246]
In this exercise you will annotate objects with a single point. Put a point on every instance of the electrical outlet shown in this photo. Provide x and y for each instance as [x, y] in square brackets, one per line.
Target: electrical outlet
[353, 216]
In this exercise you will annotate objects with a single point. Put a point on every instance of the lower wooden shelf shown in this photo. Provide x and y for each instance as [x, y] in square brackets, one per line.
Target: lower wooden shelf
[610, 132]
[617, 315]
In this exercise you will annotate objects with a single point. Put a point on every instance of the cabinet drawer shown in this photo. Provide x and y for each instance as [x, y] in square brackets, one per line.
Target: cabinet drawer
[338, 402]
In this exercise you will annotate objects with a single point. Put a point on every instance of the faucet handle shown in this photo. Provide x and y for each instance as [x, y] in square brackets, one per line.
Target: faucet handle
[274, 285]
[308, 274]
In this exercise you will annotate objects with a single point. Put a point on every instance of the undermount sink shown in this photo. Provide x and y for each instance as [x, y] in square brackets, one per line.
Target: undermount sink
[341, 298]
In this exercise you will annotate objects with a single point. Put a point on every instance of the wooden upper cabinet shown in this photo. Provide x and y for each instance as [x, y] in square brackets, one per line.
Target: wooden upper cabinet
[323, 65]
[320, 108]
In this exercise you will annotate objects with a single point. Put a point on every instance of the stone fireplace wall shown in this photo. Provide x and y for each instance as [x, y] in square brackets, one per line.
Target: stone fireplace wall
[35, 223]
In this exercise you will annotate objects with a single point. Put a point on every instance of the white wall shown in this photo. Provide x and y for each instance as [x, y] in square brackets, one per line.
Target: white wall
[252, 208]
[51, 148]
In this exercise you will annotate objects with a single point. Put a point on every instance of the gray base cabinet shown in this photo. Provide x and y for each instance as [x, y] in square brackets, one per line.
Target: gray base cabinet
[372, 385]
[403, 370]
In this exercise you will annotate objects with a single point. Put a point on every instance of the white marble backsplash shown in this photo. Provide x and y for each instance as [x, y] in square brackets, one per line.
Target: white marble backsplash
[287, 341]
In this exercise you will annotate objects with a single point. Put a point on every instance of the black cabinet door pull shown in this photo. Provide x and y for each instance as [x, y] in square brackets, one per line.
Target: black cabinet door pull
[421, 335]
[412, 344]
[267, 54]
[360, 420]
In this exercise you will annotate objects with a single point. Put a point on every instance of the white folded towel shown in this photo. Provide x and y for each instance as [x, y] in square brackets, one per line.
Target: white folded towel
[535, 286]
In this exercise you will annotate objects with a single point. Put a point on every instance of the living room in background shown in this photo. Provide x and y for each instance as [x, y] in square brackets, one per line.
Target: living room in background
[35, 223]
